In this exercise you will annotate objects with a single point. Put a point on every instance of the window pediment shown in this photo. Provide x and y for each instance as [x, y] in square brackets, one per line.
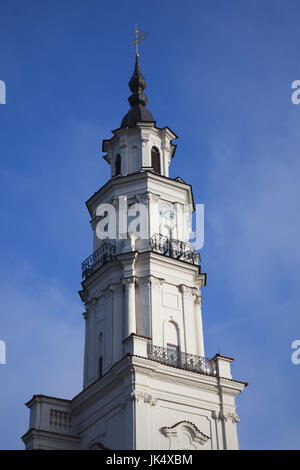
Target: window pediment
[185, 436]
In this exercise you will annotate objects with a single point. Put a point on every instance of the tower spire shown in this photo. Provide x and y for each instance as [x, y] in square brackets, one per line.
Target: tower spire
[137, 84]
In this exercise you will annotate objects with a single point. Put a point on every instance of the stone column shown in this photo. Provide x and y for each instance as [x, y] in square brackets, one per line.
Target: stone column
[144, 319]
[86, 343]
[117, 321]
[229, 420]
[91, 349]
[153, 214]
[165, 150]
[108, 356]
[124, 154]
[129, 306]
[188, 323]
[143, 243]
[145, 161]
[198, 324]
[156, 304]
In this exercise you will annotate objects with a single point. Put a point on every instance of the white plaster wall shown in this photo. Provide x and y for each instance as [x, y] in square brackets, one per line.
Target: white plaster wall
[175, 397]
[134, 146]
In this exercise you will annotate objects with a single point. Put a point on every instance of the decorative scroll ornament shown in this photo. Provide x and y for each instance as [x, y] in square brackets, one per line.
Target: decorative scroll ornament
[226, 416]
[187, 291]
[143, 198]
[145, 397]
[129, 282]
[157, 282]
[197, 298]
[85, 315]
[91, 305]
[229, 415]
[148, 281]
[144, 282]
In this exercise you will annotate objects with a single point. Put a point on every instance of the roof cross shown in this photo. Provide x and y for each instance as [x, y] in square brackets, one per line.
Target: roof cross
[138, 38]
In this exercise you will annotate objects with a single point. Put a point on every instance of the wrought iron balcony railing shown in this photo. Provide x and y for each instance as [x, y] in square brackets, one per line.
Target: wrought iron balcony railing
[106, 252]
[190, 362]
[158, 243]
[174, 248]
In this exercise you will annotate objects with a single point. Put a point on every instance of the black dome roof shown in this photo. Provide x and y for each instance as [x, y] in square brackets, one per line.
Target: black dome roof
[138, 100]
[136, 114]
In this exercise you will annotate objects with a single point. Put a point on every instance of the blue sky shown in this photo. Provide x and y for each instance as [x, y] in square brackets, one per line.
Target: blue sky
[219, 74]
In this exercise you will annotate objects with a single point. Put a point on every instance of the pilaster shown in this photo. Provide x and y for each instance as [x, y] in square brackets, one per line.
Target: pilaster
[91, 315]
[117, 320]
[144, 323]
[156, 293]
[198, 324]
[188, 314]
[129, 306]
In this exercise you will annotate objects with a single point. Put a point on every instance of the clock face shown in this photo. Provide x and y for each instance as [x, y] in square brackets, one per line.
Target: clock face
[167, 212]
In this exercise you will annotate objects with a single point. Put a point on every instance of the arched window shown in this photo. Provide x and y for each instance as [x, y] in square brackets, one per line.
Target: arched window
[118, 165]
[155, 159]
[171, 333]
[172, 342]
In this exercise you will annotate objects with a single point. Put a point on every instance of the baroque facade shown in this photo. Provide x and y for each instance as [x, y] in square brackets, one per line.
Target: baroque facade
[147, 383]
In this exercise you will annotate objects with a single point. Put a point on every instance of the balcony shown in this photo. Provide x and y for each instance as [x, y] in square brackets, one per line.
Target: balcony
[106, 252]
[158, 243]
[190, 362]
[174, 248]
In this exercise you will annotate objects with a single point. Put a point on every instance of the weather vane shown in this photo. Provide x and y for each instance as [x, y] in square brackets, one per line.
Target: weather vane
[138, 38]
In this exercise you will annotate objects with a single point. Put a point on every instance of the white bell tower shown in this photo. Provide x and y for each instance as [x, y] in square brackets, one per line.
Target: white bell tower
[145, 369]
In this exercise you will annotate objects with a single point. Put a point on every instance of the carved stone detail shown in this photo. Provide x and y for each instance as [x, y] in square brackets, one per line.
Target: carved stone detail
[150, 400]
[115, 203]
[187, 291]
[91, 305]
[143, 198]
[84, 295]
[213, 387]
[145, 397]
[148, 281]
[185, 435]
[157, 282]
[144, 282]
[85, 315]
[116, 288]
[197, 298]
[106, 294]
[154, 198]
[60, 419]
[129, 281]
[225, 416]
[229, 415]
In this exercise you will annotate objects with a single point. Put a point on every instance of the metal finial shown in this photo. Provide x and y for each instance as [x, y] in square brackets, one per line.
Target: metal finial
[138, 38]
